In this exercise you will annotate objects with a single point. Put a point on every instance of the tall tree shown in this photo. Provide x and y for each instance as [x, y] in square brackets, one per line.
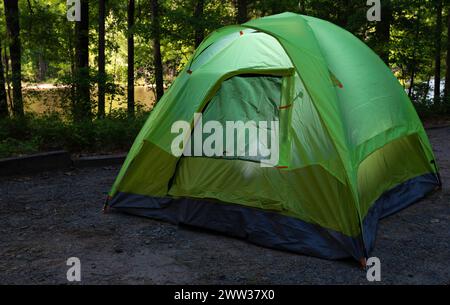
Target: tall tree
[12, 24]
[3, 99]
[241, 11]
[82, 107]
[383, 31]
[437, 52]
[447, 64]
[156, 32]
[413, 61]
[198, 19]
[101, 58]
[130, 90]
[8, 85]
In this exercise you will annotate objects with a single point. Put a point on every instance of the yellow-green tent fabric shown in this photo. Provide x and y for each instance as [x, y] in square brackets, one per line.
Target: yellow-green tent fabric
[352, 148]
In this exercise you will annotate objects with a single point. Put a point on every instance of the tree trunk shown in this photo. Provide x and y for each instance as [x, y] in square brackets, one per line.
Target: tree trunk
[72, 55]
[130, 89]
[8, 79]
[437, 54]
[242, 13]
[413, 61]
[198, 18]
[82, 109]
[12, 24]
[157, 51]
[427, 89]
[383, 29]
[447, 65]
[42, 67]
[3, 98]
[101, 59]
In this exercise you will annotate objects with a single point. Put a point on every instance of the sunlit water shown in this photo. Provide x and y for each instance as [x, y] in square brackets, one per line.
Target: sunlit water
[51, 99]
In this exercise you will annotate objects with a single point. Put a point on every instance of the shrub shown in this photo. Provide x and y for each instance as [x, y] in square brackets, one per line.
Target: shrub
[35, 133]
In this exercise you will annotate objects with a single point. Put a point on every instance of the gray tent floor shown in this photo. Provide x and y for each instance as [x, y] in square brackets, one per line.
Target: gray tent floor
[47, 218]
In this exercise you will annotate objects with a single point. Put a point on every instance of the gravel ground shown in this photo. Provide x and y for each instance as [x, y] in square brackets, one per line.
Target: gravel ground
[49, 217]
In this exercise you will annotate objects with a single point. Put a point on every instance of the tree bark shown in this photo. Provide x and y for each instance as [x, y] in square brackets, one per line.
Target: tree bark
[157, 50]
[42, 67]
[12, 24]
[198, 18]
[437, 54]
[82, 107]
[383, 31]
[414, 55]
[242, 12]
[101, 59]
[3, 99]
[8, 79]
[427, 90]
[447, 64]
[130, 89]
[72, 55]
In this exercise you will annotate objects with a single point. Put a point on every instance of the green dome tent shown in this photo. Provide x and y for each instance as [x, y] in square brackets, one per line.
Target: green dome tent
[351, 147]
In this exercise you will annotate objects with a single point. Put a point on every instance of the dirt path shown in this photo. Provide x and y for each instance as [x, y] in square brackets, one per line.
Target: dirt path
[47, 218]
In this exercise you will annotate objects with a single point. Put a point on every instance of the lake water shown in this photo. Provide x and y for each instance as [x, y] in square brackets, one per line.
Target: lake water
[47, 98]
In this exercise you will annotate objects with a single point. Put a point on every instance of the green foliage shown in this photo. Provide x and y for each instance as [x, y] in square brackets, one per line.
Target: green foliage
[48, 56]
[46, 36]
[35, 133]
